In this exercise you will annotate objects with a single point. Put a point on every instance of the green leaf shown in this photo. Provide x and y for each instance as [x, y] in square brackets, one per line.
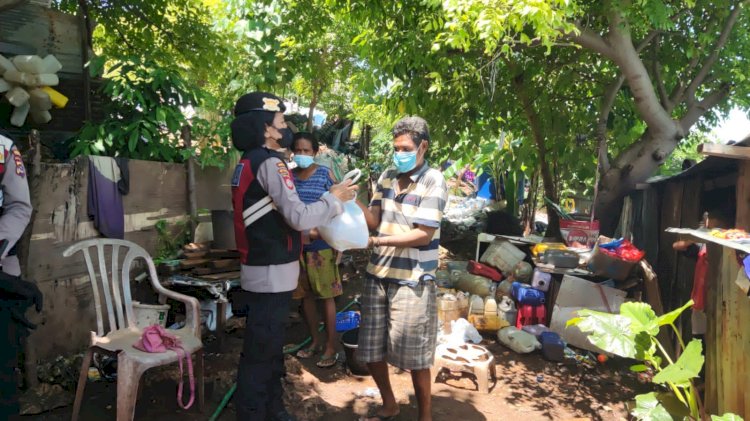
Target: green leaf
[610, 332]
[669, 318]
[687, 367]
[726, 417]
[638, 368]
[133, 141]
[643, 318]
[648, 408]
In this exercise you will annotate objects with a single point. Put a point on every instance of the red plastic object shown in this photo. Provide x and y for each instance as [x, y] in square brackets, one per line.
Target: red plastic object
[476, 268]
[531, 315]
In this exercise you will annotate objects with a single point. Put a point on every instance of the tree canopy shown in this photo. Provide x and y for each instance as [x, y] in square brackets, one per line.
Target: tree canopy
[552, 86]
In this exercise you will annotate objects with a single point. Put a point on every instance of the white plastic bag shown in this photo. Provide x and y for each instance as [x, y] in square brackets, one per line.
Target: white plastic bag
[462, 331]
[348, 230]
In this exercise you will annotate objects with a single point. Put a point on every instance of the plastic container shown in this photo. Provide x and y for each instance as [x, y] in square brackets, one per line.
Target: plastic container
[536, 330]
[17, 96]
[28, 64]
[473, 284]
[5, 65]
[50, 64]
[553, 348]
[542, 247]
[524, 294]
[451, 308]
[45, 79]
[18, 117]
[476, 305]
[518, 340]
[503, 255]
[60, 101]
[523, 271]
[480, 269]
[504, 289]
[459, 265]
[39, 100]
[347, 320]
[608, 266]
[564, 259]
[541, 280]
[150, 314]
[19, 78]
[41, 117]
[350, 341]
[443, 279]
[4, 86]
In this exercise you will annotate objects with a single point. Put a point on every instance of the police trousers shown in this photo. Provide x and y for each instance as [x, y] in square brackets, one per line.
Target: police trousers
[259, 391]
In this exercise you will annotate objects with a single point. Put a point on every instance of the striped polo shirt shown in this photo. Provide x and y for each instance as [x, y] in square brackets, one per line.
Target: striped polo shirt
[421, 203]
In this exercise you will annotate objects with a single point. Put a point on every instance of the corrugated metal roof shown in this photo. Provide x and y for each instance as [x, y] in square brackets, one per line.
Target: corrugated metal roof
[710, 166]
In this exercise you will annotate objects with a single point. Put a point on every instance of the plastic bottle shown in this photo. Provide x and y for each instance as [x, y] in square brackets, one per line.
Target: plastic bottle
[45, 79]
[39, 100]
[5, 65]
[41, 117]
[4, 86]
[28, 64]
[19, 114]
[14, 76]
[17, 96]
[50, 64]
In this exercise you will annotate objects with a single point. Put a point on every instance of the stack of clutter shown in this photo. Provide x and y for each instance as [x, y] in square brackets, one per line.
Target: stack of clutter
[26, 82]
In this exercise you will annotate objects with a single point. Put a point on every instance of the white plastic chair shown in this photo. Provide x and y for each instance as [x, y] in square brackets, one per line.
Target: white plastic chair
[114, 307]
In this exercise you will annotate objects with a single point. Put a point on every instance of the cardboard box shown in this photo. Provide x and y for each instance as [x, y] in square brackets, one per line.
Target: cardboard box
[576, 294]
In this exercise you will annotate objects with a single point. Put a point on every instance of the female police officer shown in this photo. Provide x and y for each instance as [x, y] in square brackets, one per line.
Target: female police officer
[268, 218]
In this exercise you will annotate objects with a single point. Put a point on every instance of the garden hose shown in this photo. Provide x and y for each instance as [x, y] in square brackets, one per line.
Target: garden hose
[294, 349]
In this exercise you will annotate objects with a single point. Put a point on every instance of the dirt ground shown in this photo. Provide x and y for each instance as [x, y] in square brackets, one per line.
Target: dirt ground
[528, 387]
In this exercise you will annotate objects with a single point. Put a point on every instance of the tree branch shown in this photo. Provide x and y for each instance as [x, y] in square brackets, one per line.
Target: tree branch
[608, 101]
[646, 41]
[656, 70]
[633, 69]
[592, 41]
[720, 43]
[698, 109]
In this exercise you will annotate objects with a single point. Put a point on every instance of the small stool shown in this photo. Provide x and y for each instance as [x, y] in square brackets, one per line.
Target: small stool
[531, 315]
[467, 358]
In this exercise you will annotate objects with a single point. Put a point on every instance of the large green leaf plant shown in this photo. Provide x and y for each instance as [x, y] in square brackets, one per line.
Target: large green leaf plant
[633, 334]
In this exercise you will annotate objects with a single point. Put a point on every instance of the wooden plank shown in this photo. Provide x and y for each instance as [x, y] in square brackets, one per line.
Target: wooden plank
[724, 151]
[194, 263]
[722, 182]
[650, 225]
[209, 271]
[224, 263]
[743, 196]
[653, 298]
[713, 333]
[223, 254]
[683, 282]
[671, 210]
[222, 276]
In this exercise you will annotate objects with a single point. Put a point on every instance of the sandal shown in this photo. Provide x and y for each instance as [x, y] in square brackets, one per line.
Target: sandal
[327, 362]
[308, 352]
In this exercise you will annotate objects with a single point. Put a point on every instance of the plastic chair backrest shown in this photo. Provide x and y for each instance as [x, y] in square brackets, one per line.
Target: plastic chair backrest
[112, 296]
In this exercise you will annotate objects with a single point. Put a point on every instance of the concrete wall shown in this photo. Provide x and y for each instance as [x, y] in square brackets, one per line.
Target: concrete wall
[157, 191]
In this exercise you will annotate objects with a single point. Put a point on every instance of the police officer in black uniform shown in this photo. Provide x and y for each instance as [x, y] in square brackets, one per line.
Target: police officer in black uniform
[270, 221]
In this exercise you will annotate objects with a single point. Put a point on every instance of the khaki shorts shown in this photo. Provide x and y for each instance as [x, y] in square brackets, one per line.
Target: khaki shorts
[318, 276]
[399, 324]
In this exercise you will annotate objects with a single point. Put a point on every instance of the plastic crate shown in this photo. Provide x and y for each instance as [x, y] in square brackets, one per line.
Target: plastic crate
[347, 320]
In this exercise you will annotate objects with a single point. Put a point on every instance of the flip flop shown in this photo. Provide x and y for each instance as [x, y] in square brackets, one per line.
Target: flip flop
[327, 362]
[308, 352]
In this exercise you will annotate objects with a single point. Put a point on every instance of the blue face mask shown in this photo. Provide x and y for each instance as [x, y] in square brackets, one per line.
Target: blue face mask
[304, 161]
[405, 161]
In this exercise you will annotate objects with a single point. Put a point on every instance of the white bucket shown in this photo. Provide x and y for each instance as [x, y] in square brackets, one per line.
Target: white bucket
[150, 314]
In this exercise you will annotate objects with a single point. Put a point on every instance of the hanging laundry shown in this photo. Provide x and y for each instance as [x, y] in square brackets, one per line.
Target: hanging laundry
[105, 196]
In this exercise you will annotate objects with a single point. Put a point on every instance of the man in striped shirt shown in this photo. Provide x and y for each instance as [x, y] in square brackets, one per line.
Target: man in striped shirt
[399, 310]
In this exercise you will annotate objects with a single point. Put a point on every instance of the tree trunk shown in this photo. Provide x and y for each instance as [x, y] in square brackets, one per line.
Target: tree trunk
[311, 112]
[634, 165]
[553, 222]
